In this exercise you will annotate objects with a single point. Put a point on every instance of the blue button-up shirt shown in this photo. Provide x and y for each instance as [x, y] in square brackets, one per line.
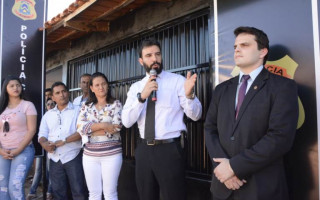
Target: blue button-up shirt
[57, 125]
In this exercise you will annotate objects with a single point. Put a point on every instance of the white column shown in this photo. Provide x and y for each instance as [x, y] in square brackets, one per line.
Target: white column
[315, 23]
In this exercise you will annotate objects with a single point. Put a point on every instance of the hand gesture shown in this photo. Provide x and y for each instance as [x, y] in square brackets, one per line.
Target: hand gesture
[150, 86]
[189, 83]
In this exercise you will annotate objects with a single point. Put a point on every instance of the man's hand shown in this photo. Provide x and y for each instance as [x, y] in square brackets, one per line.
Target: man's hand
[149, 87]
[223, 171]
[49, 146]
[234, 183]
[189, 84]
[59, 143]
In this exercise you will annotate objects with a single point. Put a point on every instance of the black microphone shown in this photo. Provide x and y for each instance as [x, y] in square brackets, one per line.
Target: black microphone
[153, 73]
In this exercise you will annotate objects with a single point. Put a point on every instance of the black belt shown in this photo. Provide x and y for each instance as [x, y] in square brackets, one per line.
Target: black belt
[157, 142]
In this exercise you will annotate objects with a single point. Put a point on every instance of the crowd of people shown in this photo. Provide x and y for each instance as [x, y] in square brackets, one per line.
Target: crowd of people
[249, 126]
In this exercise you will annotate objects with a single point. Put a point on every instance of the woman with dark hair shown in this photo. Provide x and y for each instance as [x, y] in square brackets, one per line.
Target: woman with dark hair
[50, 104]
[19, 120]
[99, 124]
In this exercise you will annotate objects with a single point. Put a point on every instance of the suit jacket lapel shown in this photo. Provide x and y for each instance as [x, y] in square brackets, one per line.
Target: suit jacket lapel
[232, 91]
[254, 89]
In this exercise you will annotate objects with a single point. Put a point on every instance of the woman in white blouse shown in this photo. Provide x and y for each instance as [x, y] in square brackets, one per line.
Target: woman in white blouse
[99, 124]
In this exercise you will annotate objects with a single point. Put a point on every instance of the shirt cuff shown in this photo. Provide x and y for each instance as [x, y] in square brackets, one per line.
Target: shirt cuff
[86, 130]
[138, 104]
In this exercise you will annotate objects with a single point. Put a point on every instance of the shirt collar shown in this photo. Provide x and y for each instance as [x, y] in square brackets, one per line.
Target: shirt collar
[90, 105]
[253, 74]
[69, 107]
[158, 75]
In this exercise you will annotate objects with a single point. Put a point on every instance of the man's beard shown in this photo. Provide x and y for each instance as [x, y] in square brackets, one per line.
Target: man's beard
[148, 68]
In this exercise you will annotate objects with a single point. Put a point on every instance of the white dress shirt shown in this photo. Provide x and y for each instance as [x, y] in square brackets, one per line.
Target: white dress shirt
[170, 106]
[79, 101]
[57, 125]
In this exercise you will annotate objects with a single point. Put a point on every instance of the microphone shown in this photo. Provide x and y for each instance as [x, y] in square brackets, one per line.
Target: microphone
[153, 73]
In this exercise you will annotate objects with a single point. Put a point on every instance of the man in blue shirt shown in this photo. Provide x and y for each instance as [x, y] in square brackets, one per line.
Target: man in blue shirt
[58, 136]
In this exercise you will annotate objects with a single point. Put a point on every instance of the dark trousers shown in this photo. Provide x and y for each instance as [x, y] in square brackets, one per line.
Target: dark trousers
[231, 197]
[160, 169]
[71, 171]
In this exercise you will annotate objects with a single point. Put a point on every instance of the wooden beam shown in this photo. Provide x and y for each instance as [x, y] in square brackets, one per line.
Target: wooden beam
[79, 10]
[161, 0]
[123, 4]
[70, 16]
[88, 27]
[55, 27]
[65, 36]
[101, 26]
[80, 26]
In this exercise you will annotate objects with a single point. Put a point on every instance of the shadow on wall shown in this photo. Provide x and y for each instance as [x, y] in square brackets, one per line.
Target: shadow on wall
[302, 161]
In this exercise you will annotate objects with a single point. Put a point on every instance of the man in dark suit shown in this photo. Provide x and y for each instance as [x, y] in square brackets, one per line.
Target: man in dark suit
[250, 125]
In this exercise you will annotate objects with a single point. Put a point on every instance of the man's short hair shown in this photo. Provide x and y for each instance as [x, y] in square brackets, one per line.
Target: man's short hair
[58, 83]
[86, 74]
[260, 37]
[148, 43]
[48, 90]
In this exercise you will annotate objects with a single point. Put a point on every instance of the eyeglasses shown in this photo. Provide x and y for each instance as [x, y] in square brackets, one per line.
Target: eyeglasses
[50, 104]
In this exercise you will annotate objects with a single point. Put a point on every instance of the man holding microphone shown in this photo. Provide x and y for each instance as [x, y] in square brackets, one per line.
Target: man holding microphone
[159, 155]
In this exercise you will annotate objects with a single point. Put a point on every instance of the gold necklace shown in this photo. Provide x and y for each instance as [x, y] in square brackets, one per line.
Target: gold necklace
[100, 106]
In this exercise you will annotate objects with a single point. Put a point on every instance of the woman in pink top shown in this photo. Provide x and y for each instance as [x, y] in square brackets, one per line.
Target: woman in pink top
[17, 128]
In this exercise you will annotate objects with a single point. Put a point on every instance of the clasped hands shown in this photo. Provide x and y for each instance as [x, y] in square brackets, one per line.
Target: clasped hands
[225, 174]
[9, 154]
[50, 146]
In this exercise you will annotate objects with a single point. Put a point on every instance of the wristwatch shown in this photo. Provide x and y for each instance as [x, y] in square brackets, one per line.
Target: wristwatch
[139, 98]
[192, 96]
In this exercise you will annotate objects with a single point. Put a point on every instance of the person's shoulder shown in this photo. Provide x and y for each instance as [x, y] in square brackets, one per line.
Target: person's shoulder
[117, 103]
[77, 99]
[86, 105]
[53, 110]
[280, 80]
[173, 77]
[48, 114]
[28, 104]
[138, 84]
[223, 86]
[73, 107]
[227, 82]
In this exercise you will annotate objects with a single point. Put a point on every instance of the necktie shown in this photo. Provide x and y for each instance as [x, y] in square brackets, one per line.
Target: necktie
[149, 131]
[242, 92]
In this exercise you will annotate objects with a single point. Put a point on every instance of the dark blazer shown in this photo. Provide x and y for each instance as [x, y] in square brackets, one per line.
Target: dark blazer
[256, 142]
